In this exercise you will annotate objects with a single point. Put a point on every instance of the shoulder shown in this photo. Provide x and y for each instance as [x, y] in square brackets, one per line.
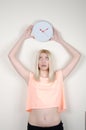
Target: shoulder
[59, 73]
[30, 75]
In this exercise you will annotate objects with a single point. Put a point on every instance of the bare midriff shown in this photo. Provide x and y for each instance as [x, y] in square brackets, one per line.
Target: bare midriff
[44, 117]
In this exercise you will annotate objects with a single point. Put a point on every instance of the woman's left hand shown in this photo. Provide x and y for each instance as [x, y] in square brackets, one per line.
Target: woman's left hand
[57, 36]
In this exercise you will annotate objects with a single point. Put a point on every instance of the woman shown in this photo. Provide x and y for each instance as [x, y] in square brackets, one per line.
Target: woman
[45, 98]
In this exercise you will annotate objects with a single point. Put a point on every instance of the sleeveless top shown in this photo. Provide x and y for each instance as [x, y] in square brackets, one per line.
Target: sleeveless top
[44, 94]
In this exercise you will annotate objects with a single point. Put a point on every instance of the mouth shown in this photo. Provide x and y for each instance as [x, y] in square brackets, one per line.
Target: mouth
[43, 65]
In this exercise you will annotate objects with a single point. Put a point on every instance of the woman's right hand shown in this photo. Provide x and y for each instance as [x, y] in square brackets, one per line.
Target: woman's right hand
[27, 33]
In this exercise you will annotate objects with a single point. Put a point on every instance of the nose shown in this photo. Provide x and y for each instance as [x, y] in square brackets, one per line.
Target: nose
[43, 60]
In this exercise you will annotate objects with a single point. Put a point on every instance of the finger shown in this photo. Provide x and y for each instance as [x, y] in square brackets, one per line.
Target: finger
[30, 27]
[51, 39]
[32, 37]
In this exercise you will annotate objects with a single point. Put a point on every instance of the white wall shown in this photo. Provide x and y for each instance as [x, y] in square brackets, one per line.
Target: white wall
[69, 17]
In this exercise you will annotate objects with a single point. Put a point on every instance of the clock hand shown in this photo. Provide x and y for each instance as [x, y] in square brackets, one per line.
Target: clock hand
[46, 29]
[44, 33]
[43, 30]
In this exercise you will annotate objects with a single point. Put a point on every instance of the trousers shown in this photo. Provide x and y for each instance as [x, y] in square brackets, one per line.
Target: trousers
[56, 127]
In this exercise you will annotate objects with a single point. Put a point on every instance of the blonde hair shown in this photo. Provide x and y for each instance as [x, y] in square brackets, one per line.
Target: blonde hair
[51, 65]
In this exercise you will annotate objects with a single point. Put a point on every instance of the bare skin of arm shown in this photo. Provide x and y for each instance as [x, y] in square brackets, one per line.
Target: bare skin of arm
[75, 54]
[22, 70]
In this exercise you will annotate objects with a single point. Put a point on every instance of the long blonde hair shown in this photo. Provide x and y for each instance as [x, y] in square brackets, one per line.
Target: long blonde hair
[51, 65]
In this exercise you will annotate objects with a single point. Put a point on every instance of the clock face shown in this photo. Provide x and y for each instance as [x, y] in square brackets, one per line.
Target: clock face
[42, 31]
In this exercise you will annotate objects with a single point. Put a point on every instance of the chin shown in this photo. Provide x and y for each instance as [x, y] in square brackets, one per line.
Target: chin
[44, 69]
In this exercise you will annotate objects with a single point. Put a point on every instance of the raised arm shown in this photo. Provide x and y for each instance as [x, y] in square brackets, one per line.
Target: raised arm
[72, 51]
[22, 70]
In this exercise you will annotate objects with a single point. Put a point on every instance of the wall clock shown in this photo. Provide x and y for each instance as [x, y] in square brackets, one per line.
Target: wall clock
[42, 31]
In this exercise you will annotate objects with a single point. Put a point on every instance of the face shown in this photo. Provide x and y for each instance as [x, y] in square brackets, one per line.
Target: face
[43, 61]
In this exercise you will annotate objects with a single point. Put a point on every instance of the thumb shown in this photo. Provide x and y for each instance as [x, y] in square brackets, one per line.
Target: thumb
[32, 37]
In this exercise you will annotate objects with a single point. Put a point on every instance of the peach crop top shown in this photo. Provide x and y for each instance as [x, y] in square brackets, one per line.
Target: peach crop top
[43, 94]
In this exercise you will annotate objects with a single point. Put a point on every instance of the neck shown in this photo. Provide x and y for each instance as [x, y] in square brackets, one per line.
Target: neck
[44, 73]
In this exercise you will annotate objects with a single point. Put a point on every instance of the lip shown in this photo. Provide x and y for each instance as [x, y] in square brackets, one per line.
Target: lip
[43, 65]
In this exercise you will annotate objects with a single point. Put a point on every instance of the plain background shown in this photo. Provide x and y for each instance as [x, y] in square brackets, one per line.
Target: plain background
[69, 17]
